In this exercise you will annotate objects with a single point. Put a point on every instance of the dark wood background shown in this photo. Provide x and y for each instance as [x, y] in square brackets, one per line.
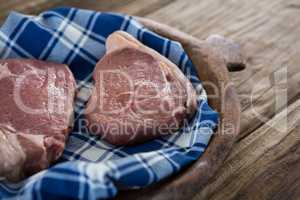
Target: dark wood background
[265, 161]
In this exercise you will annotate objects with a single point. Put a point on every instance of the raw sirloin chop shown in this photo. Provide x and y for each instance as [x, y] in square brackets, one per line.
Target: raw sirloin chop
[138, 93]
[36, 115]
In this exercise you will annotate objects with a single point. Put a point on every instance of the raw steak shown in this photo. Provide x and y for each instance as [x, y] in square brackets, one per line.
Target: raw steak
[36, 115]
[138, 93]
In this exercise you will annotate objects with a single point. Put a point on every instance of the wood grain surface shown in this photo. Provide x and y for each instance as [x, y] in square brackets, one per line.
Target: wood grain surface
[265, 161]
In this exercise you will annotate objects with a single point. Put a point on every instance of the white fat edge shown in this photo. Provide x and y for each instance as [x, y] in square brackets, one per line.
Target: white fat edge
[11, 153]
[5, 71]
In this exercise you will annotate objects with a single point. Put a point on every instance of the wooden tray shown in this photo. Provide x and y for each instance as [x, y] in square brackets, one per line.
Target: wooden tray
[212, 58]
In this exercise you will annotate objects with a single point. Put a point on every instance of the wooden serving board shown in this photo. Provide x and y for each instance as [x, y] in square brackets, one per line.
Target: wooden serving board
[212, 58]
[265, 160]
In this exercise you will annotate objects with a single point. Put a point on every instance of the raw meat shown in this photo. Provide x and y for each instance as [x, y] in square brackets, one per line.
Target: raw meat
[36, 115]
[138, 94]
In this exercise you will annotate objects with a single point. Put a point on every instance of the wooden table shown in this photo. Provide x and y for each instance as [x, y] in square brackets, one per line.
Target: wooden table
[265, 161]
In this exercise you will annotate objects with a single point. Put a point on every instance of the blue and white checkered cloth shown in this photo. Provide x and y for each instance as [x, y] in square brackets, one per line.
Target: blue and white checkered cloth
[91, 168]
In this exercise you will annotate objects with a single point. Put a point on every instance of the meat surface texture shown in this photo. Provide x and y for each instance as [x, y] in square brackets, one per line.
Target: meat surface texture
[36, 115]
[138, 94]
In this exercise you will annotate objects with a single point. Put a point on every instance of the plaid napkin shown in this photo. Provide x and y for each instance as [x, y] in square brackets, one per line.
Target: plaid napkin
[91, 168]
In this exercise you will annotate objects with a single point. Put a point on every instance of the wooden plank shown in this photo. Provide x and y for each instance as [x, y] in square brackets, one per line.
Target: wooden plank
[142, 7]
[264, 163]
[265, 160]
[132, 7]
[25, 6]
[270, 44]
